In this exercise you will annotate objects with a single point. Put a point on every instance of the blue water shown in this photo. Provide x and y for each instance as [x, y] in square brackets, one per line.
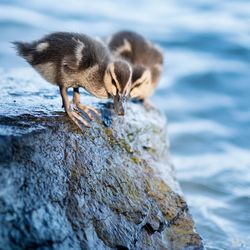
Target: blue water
[204, 91]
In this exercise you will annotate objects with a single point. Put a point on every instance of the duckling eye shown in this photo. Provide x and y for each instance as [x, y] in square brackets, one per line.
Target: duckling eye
[113, 82]
[136, 85]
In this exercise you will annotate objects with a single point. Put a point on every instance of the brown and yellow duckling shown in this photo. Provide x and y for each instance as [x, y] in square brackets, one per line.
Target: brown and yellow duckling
[145, 58]
[72, 60]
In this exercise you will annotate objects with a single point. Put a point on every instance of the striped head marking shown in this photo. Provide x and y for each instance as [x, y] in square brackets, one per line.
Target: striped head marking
[117, 80]
[141, 81]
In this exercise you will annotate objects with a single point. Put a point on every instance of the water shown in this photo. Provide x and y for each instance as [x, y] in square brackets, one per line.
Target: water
[204, 91]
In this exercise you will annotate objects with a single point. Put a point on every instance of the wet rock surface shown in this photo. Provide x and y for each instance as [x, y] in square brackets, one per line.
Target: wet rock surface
[111, 187]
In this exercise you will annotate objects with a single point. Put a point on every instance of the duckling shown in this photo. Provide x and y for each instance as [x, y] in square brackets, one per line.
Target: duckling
[72, 60]
[146, 60]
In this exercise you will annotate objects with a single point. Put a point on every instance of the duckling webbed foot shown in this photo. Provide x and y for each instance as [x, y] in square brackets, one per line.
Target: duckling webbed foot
[86, 109]
[76, 118]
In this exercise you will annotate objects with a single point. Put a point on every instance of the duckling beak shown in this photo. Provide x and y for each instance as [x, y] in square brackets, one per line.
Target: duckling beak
[120, 104]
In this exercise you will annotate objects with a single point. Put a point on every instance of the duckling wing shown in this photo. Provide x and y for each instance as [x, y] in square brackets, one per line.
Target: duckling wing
[121, 45]
[135, 48]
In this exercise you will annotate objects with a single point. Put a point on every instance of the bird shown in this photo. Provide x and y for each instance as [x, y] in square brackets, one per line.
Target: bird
[73, 60]
[146, 60]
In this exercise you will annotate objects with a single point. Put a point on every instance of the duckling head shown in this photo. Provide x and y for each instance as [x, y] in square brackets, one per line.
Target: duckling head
[117, 81]
[141, 81]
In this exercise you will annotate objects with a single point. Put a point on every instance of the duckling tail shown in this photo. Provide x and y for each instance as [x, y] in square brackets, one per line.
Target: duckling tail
[24, 50]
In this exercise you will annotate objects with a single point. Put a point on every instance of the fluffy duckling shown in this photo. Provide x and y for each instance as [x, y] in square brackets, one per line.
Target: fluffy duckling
[146, 59]
[72, 60]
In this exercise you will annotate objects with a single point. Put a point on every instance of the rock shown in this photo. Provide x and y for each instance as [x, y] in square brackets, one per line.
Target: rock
[111, 187]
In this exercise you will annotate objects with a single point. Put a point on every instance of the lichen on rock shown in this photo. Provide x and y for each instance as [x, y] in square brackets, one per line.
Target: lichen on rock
[111, 187]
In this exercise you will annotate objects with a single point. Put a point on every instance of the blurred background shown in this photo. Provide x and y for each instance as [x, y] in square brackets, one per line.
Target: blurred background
[204, 91]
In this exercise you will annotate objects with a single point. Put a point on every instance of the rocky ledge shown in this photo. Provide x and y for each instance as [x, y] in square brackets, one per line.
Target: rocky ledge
[111, 187]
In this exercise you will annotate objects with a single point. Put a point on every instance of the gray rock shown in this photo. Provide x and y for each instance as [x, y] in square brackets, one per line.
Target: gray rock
[111, 187]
